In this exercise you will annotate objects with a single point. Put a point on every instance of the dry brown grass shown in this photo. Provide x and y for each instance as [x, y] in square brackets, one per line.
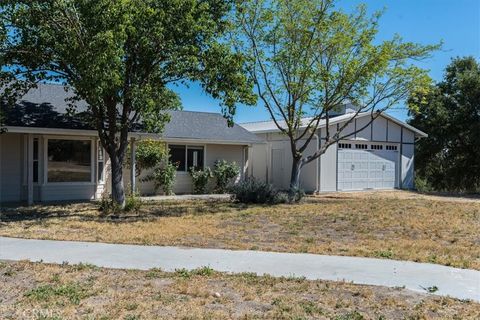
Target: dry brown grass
[394, 225]
[30, 291]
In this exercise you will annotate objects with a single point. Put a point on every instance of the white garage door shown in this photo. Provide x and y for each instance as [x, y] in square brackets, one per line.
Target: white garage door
[367, 166]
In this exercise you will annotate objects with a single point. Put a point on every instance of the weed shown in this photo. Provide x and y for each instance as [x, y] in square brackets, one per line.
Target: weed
[71, 291]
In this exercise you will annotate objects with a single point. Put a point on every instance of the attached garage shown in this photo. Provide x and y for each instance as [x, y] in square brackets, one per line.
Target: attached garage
[380, 156]
[363, 166]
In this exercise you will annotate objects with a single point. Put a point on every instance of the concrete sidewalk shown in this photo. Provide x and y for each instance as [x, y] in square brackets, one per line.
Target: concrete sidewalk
[457, 283]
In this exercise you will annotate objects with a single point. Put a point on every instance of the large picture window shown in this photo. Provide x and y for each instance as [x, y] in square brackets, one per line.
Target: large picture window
[69, 160]
[186, 157]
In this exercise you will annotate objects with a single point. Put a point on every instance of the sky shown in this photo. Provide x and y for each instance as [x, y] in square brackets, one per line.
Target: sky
[455, 22]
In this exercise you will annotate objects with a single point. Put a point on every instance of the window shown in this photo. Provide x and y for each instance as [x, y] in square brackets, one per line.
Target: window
[177, 156]
[376, 147]
[361, 146]
[101, 161]
[391, 148]
[35, 160]
[186, 157]
[69, 160]
[345, 146]
[195, 158]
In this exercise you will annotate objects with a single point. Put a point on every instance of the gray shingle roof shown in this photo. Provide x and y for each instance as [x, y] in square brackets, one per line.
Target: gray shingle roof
[205, 126]
[45, 107]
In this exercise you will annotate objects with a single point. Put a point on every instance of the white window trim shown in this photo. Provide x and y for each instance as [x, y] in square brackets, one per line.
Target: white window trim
[185, 172]
[26, 159]
[92, 161]
[98, 145]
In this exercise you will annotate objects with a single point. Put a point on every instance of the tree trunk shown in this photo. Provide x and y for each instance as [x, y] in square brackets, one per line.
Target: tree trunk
[118, 190]
[295, 178]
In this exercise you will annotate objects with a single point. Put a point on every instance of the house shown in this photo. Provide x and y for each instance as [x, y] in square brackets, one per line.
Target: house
[380, 156]
[47, 154]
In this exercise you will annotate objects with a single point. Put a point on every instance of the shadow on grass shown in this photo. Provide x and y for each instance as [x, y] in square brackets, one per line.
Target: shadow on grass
[89, 211]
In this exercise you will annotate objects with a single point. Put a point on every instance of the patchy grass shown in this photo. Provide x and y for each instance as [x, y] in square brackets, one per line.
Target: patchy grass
[389, 225]
[43, 291]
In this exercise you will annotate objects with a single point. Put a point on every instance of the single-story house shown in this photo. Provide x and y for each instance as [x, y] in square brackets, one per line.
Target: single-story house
[48, 154]
[380, 156]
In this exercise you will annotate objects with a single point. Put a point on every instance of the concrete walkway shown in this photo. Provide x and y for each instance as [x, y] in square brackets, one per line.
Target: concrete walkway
[188, 197]
[458, 283]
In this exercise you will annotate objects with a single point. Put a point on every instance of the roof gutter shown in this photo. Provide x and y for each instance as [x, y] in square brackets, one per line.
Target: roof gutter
[137, 135]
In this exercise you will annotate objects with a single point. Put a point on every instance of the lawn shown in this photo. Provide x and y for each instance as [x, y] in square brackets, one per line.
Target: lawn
[391, 225]
[43, 291]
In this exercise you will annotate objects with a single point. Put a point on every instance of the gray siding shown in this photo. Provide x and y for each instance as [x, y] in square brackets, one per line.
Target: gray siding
[11, 167]
[183, 181]
[328, 169]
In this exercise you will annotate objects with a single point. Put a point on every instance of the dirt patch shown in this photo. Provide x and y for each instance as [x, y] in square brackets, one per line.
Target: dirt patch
[88, 292]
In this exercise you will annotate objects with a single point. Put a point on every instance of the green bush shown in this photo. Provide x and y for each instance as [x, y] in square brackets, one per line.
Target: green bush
[251, 190]
[224, 173]
[200, 179]
[164, 177]
[149, 154]
[107, 206]
[422, 185]
[133, 202]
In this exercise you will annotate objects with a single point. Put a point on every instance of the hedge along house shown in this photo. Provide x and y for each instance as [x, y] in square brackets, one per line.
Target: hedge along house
[381, 156]
[48, 154]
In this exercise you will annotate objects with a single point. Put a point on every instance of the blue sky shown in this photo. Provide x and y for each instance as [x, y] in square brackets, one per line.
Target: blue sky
[456, 22]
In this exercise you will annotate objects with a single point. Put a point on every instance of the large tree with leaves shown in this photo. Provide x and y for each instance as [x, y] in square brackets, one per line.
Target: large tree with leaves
[448, 159]
[120, 56]
[307, 57]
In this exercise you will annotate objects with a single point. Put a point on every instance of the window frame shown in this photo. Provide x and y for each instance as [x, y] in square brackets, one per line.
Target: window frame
[99, 147]
[92, 160]
[187, 145]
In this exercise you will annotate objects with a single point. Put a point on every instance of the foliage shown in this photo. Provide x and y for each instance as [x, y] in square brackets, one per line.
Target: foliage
[163, 177]
[200, 179]
[251, 190]
[133, 203]
[121, 57]
[307, 58]
[224, 173]
[148, 154]
[448, 159]
[107, 206]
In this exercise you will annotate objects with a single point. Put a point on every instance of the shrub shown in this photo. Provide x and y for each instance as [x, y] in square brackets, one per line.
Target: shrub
[251, 190]
[224, 173]
[200, 179]
[133, 202]
[108, 206]
[149, 154]
[422, 185]
[164, 177]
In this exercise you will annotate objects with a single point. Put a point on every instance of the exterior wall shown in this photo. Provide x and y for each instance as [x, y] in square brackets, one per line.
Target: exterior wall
[258, 162]
[14, 162]
[183, 181]
[328, 169]
[11, 167]
[278, 146]
[380, 130]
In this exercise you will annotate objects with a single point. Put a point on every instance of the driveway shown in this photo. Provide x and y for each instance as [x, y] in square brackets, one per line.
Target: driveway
[422, 277]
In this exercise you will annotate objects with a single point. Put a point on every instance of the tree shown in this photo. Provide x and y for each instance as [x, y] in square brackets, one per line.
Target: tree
[120, 56]
[450, 113]
[306, 58]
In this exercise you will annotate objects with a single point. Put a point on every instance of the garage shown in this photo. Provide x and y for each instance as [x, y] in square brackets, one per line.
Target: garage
[363, 166]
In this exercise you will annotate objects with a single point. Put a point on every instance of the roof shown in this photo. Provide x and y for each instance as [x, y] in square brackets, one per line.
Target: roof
[270, 126]
[46, 107]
